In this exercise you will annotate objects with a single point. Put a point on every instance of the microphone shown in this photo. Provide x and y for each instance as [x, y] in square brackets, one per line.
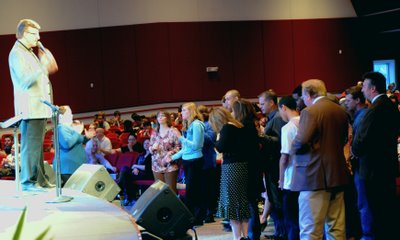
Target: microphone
[40, 45]
[54, 108]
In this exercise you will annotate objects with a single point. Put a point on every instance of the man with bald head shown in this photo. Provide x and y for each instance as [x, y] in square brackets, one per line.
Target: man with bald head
[230, 97]
[320, 173]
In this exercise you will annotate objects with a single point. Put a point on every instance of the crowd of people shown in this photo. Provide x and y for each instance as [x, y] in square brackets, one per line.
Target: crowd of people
[314, 158]
[327, 166]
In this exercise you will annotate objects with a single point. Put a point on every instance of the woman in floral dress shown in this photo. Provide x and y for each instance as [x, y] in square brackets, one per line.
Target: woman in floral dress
[164, 143]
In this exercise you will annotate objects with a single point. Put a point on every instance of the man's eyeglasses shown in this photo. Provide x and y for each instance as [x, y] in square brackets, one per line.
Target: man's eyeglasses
[33, 33]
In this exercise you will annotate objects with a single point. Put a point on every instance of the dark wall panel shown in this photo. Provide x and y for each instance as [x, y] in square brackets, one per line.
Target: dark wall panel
[316, 51]
[278, 56]
[83, 68]
[186, 70]
[6, 86]
[248, 61]
[62, 89]
[119, 71]
[166, 62]
[216, 51]
[153, 62]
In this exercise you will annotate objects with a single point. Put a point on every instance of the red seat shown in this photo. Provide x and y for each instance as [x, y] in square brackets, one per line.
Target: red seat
[47, 145]
[112, 135]
[112, 158]
[49, 134]
[48, 157]
[115, 129]
[126, 159]
[8, 178]
[124, 138]
[115, 142]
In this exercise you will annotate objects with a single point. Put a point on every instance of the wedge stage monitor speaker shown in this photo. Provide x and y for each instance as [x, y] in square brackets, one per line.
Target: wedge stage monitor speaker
[94, 180]
[162, 213]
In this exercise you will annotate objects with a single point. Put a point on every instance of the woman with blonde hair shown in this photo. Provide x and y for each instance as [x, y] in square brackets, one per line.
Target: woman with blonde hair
[164, 142]
[233, 202]
[192, 159]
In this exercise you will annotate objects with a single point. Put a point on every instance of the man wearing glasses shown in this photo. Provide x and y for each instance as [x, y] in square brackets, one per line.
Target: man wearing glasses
[29, 73]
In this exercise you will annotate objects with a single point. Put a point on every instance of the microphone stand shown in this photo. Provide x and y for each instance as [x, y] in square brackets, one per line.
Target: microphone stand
[54, 119]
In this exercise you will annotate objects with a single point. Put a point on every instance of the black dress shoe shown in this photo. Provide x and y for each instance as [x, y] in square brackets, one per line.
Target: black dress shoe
[198, 222]
[126, 202]
[209, 219]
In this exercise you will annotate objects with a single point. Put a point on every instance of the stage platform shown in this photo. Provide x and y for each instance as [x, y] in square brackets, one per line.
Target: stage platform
[85, 217]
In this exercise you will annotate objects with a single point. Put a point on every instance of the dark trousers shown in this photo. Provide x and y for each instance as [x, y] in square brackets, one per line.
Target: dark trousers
[210, 190]
[381, 198]
[194, 198]
[254, 228]
[276, 199]
[32, 137]
[353, 225]
[291, 214]
[363, 207]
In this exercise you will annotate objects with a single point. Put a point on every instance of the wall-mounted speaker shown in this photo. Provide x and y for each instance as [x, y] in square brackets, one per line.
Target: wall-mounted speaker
[162, 213]
[94, 180]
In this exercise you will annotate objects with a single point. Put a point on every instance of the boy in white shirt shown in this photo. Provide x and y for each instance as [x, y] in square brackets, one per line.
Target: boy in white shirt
[287, 110]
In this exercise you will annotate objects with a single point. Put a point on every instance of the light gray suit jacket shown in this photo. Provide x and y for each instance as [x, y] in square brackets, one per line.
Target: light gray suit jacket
[31, 83]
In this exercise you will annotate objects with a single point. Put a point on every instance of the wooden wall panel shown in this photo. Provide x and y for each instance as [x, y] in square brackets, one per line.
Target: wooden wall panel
[153, 62]
[119, 67]
[6, 86]
[62, 89]
[278, 55]
[248, 59]
[83, 68]
[316, 51]
[166, 62]
[216, 51]
[186, 70]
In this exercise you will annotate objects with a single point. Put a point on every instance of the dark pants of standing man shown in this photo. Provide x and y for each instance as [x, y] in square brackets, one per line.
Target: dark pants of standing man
[32, 137]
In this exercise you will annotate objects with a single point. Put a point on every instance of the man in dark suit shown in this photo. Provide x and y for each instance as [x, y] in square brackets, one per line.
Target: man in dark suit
[320, 172]
[271, 142]
[375, 146]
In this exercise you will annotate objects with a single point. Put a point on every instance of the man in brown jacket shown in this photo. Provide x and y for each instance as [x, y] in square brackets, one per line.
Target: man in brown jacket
[320, 172]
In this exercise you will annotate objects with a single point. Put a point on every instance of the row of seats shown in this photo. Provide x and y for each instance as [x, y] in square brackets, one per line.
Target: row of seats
[120, 160]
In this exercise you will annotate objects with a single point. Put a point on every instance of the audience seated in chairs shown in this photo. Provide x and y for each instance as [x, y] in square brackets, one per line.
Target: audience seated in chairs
[132, 146]
[7, 144]
[100, 121]
[116, 121]
[8, 164]
[145, 132]
[141, 170]
[94, 155]
[104, 142]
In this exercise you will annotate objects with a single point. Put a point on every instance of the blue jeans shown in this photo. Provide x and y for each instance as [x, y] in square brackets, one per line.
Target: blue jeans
[363, 208]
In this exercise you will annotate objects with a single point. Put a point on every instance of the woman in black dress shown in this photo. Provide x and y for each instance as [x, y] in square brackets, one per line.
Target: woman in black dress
[233, 203]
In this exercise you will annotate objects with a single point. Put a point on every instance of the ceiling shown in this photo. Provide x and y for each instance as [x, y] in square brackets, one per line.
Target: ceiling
[379, 16]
